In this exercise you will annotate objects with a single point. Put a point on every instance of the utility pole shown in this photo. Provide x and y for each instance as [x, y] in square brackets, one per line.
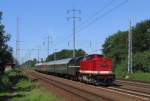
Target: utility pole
[74, 17]
[38, 53]
[29, 55]
[49, 40]
[17, 42]
[48, 45]
[90, 45]
[130, 49]
[55, 54]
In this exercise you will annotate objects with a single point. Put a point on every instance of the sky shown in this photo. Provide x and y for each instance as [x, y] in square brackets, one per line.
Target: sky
[39, 19]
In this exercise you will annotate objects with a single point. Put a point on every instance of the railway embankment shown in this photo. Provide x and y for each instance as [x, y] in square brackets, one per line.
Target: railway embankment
[14, 86]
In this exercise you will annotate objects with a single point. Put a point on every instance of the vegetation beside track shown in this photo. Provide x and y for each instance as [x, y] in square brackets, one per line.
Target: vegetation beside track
[137, 76]
[14, 86]
[116, 47]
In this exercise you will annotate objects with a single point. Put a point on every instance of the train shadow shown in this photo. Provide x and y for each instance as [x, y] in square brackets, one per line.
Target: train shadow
[116, 85]
[109, 85]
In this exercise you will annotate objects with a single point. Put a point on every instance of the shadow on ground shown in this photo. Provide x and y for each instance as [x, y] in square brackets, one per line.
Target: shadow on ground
[8, 97]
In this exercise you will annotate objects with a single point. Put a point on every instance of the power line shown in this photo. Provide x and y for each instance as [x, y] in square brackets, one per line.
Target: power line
[55, 54]
[103, 15]
[74, 17]
[17, 41]
[96, 13]
[38, 53]
[49, 41]
[48, 45]
[99, 11]
[93, 16]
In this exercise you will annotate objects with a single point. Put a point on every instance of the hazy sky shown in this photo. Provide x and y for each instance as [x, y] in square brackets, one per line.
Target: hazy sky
[40, 18]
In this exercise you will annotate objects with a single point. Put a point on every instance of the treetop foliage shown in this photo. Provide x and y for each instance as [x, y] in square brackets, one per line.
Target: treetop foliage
[65, 53]
[30, 63]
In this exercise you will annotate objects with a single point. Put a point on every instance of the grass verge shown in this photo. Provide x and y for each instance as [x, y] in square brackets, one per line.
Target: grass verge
[35, 92]
[139, 76]
[136, 76]
[16, 87]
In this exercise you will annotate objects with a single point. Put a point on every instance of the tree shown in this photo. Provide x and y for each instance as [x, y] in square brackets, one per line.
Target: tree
[141, 37]
[5, 50]
[65, 54]
[116, 47]
[30, 63]
[141, 61]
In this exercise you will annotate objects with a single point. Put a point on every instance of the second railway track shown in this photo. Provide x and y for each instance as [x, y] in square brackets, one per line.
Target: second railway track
[137, 84]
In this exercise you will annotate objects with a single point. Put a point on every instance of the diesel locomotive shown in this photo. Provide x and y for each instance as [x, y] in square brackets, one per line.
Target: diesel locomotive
[95, 69]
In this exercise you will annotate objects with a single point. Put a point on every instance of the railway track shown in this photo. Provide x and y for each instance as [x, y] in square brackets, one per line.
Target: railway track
[131, 92]
[87, 96]
[133, 86]
[90, 92]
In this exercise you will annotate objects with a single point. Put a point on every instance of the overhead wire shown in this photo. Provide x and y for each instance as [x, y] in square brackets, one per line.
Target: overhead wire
[103, 15]
[94, 15]
[97, 12]
[92, 19]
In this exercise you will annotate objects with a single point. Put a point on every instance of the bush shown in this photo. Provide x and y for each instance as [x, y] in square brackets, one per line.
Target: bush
[121, 70]
[141, 61]
[10, 78]
[24, 84]
[5, 82]
[25, 89]
[139, 76]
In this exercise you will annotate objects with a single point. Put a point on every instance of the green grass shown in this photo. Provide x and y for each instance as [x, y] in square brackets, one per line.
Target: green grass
[37, 94]
[139, 76]
[121, 73]
[13, 82]
[4, 93]
[6, 83]
[23, 84]
[13, 73]
[136, 76]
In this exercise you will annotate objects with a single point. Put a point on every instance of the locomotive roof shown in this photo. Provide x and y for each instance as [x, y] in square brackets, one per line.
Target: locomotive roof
[38, 64]
[57, 62]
